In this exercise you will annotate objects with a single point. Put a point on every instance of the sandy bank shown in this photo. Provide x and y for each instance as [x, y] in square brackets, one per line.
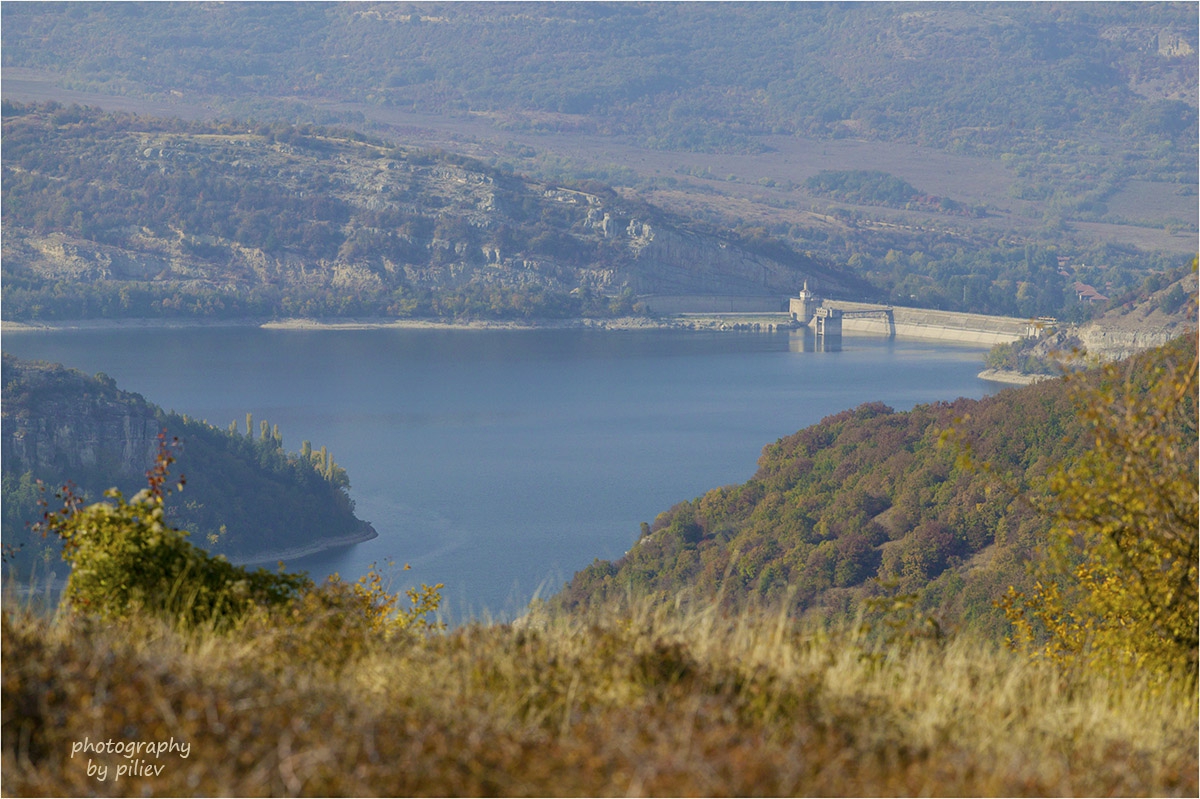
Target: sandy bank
[1015, 378]
[622, 323]
[8, 326]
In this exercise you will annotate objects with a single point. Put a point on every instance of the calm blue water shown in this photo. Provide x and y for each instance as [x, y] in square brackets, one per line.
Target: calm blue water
[501, 462]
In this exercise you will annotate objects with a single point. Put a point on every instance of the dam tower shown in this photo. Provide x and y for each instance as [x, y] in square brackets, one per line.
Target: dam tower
[803, 308]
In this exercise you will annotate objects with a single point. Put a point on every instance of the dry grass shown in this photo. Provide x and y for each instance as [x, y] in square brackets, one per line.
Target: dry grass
[638, 700]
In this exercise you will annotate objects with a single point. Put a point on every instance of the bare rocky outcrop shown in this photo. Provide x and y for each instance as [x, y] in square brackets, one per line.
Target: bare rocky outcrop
[1115, 343]
[668, 261]
[1125, 331]
[1135, 326]
[328, 216]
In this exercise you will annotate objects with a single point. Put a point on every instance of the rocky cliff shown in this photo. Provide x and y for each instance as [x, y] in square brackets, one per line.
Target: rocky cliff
[59, 421]
[1142, 320]
[245, 497]
[672, 261]
[1152, 321]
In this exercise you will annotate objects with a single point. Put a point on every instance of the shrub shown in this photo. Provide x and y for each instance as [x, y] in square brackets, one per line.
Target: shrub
[128, 562]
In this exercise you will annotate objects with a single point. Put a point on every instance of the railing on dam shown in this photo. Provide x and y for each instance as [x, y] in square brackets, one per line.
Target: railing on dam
[885, 313]
[874, 313]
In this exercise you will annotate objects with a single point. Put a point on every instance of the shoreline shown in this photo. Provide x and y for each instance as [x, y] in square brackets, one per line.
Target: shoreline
[8, 326]
[56, 584]
[352, 323]
[698, 321]
[366, 533]
[1012, 378]
[617, 323]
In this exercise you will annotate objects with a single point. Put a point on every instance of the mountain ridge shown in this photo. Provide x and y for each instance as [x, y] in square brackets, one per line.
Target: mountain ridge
[114, 215]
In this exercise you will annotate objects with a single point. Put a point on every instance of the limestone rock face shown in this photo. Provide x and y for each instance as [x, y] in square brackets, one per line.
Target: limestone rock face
[1124, 331]
[342, 220]
[1113, 344]
[58, 420]
[670, 261]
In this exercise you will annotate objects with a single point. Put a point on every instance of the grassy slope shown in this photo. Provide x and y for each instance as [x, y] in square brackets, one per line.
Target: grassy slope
[630, 700]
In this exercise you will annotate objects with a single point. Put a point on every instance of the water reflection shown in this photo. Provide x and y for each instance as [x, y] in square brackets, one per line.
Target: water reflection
[805, 340]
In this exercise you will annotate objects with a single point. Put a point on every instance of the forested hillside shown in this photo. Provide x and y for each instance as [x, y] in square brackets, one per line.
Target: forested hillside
[245, 495]
[870, 501]
[680, 75]
[112, 215]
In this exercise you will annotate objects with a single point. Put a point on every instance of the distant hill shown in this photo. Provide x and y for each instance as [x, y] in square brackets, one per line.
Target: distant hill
[112, 215]
[245, 496]
[864, 499]
[997, 77]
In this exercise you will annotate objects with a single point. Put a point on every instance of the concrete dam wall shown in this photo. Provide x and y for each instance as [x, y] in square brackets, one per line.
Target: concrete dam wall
[934, 325]
[853, 318]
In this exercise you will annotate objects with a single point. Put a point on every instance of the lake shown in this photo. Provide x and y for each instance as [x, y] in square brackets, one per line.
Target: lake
[500, 462]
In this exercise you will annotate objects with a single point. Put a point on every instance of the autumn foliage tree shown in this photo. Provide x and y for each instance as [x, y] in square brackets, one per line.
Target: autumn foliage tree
[1116, 584]
[129, 563]
[126, 560]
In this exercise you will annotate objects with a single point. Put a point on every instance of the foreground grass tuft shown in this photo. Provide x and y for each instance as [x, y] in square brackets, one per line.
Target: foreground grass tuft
[635, 699]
